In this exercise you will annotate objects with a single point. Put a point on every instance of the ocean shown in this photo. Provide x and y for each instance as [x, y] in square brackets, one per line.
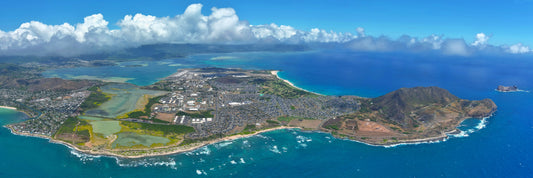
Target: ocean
[499, 146]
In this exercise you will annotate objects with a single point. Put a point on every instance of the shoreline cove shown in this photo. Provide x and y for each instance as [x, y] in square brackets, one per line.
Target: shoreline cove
[275, 73]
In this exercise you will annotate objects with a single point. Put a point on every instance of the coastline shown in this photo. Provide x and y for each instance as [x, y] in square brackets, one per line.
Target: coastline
[275, 73]
[173, 149]
[176, 149]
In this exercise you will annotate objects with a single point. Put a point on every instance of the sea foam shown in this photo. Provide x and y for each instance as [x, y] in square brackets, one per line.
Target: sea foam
[147, 162]
[84, 157]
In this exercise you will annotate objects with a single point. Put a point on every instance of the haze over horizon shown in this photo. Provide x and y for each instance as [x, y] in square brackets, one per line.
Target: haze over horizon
[221, 25]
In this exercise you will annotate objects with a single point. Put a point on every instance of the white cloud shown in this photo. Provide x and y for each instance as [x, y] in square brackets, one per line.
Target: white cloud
[221, 26]
[435, 41]
[519, 49]
[455, 47]
[274, 31]
[481, 40]
[360, 31]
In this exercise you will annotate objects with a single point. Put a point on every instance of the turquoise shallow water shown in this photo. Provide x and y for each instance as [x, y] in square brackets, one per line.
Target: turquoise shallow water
[501, 149]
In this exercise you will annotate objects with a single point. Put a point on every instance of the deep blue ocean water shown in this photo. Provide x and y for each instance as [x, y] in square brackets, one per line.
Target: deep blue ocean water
[503, 148]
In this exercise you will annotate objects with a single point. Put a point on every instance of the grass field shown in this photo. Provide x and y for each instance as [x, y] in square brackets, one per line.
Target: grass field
[74, 130]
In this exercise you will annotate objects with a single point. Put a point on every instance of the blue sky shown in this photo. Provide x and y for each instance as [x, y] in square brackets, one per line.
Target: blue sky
[508, 22]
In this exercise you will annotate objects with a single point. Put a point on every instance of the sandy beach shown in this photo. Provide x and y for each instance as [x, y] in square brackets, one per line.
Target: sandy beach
[275, 72]
[8, 107]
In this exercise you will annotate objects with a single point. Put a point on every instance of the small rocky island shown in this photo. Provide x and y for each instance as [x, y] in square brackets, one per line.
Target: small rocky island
[502, 88]
[195, 107]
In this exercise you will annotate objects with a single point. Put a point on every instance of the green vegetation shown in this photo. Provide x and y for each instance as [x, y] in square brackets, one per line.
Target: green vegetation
[333, 127]
[74, 131]
[190, 141]
[272, 122]
[165, 129]
[334, 124]
[249, 127]
[147, 108]
[160, 121]
[197, 114]
[137, 114]
[289, 118]
[95, 99]
[281, 88]
[84, 134]
[93, 88]
[70, 124]
[151, 102]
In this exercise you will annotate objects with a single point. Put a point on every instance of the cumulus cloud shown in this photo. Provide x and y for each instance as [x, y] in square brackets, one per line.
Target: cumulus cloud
[481, 40]
[222, 26]
[519, 49]
[288, 34]
[434, 44]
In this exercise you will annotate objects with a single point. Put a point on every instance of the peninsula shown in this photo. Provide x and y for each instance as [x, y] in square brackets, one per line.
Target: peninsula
[195, 107]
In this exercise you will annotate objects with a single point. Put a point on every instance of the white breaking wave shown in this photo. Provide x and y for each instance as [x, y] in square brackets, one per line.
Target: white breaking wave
[147, 162]
[223, 144]
[482, 124]
[275, 149]
[461, 134]
[200, 151]
[416, 143]
[261, 136]
[200, 172]
[84, 157]
[302, 141]
[284, 149]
